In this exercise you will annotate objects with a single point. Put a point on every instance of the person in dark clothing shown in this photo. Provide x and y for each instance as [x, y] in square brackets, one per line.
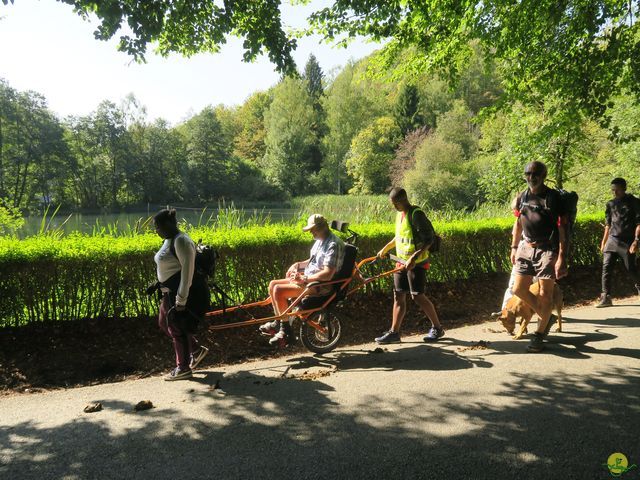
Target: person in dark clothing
[541, 225]
[621, 237]
[414, 235]
[185, 294]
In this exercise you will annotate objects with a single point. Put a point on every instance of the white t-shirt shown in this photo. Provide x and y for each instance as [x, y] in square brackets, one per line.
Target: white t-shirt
[183, 261]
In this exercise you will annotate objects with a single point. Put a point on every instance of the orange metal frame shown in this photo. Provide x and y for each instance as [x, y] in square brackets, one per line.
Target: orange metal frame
[303, 314]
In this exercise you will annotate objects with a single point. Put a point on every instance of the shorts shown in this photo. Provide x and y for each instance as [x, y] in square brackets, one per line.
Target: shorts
[412, 281]
[535, 262]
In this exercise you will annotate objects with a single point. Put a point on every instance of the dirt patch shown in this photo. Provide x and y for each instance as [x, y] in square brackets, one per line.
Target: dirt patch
[143, 405]
[314, 375]
[481, 345]
[87, 352]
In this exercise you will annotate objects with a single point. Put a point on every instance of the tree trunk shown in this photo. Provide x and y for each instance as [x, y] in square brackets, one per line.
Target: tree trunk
[2, 192]
[560, 160]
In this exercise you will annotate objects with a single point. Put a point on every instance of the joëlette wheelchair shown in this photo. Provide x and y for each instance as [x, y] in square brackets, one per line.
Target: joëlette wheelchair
[319, 327]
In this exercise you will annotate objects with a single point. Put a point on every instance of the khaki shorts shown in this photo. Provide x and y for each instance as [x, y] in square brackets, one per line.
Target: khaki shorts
[535, 262]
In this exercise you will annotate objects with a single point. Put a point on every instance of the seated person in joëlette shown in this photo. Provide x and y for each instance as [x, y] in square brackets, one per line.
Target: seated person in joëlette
[327, 255]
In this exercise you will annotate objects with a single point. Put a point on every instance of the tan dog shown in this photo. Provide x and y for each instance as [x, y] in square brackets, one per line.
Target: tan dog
[517, 308]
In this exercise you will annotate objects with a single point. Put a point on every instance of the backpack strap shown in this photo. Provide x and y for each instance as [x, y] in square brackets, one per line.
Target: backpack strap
[172, 246]
[412, 210]
[524, 199]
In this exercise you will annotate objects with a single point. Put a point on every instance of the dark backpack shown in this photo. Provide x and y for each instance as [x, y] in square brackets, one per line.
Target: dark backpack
[568, 202]
[437, 239]
[206, 258]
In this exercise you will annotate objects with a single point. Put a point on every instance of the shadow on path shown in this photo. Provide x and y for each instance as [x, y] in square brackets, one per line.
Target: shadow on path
[537, 426]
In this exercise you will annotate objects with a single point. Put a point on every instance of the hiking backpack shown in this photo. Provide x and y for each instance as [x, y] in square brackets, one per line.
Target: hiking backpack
[437, 239]
[206, 258]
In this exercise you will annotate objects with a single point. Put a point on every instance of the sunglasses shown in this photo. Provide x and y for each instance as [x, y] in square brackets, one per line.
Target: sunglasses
[533, 174]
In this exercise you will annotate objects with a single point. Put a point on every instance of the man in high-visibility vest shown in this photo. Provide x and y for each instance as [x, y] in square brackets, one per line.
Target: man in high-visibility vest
[414, 235]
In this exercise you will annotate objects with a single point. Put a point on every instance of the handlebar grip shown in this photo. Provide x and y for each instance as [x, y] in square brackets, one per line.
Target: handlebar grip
[398, 259]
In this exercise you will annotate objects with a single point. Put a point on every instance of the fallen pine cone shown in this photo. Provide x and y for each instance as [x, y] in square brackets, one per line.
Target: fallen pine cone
[93, 407]
[143, 405]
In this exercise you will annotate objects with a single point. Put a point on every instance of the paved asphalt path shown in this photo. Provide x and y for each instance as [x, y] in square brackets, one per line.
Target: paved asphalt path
[444, 411]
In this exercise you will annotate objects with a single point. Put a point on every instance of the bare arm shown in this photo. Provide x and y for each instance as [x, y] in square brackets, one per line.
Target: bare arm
[323, 275]
[386, 248]
[605, 237]
[297, 267]
[634, 245]
[561, 263]
[516, 236]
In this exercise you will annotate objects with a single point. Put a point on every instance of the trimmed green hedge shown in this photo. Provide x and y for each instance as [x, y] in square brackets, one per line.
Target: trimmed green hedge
[46, 278]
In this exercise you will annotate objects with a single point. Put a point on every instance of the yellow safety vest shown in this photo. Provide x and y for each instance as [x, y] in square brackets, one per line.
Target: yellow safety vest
[405, 244]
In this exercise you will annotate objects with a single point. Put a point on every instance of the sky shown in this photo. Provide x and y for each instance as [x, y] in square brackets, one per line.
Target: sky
[46, 47]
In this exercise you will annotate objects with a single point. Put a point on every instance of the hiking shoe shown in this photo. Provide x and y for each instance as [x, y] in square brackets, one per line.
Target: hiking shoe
[177, 374]
[536, 344]
[605, 301]
[197, 357]
[269, 328]
[388, 337]
[552, 320]
[434, 334]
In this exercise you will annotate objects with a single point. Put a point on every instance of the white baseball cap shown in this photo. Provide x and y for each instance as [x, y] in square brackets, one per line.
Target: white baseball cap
[315, 220]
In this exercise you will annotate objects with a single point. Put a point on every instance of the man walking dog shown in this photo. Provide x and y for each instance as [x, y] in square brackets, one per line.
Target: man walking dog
[541, 222]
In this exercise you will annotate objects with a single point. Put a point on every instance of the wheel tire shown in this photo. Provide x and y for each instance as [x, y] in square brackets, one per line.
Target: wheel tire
[316, 341]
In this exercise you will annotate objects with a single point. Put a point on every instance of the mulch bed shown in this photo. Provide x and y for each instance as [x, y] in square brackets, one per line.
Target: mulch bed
[85, 352]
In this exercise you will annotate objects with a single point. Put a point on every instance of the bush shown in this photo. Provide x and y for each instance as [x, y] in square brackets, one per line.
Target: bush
[46, 278]
[11, 218]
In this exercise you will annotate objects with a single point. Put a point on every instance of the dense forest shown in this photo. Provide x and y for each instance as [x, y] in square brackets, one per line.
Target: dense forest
[454, 145]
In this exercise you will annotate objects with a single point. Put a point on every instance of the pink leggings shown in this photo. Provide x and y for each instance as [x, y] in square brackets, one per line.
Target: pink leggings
[184, 343]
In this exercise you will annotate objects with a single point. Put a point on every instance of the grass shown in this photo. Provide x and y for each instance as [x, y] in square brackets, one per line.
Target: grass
[361, 209]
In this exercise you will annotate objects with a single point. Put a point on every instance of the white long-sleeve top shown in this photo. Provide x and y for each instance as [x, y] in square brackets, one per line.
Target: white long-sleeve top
[183, 261]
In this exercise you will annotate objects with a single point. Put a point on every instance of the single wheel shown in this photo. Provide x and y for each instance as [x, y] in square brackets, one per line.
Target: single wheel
[316, 340]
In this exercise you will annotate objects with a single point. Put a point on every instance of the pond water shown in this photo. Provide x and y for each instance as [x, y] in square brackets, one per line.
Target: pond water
[90, 223]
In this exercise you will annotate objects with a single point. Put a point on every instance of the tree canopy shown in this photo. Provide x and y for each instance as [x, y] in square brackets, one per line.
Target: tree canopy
[578, 50]
[188, 27]
[573, 49]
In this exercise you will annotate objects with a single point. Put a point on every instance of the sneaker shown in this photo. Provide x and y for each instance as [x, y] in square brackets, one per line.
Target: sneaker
[434, 334]
[269, 328]
[177, 374]
[552, 320]
[496, 314]
[388, 337]
[536, 344]
[197, 357]
[605, 301]
[279, 339]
